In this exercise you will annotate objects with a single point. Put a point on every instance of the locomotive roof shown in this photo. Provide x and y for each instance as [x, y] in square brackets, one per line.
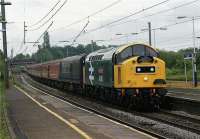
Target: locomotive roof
[108, 52]
[105, 53]
[122, 47]
[71, 58]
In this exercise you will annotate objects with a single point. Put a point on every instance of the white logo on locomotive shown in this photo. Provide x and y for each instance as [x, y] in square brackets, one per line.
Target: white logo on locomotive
[91, 76]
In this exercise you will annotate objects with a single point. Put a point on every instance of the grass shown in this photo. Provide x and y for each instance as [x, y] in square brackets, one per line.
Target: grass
[176, 79]
[182, 84]
[179, 74]
[4, 134]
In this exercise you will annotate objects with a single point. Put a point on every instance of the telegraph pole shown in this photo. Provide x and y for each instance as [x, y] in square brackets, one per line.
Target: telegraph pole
[25, 32]
[194, 55]
[92, 43]
[3, 21]
[149, 27]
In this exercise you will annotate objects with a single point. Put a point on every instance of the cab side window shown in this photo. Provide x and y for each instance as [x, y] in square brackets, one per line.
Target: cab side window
[124, 55]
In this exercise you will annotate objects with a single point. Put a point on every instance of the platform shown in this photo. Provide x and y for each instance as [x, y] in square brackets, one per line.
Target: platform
[39, 116]
[189, 94]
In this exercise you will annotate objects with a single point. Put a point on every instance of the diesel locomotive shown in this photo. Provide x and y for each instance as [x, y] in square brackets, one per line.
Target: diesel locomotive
[131, 75]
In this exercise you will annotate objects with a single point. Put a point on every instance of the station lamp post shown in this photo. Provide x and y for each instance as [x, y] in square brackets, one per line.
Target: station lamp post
[93, 42]
[126, 35]
[99, 41]
[195, 82]
[65, 41]
[154, 33]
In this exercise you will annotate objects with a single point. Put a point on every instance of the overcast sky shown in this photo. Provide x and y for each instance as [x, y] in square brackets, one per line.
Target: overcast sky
[174, 38]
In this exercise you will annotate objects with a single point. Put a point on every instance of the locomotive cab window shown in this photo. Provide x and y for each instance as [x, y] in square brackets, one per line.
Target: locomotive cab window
[138, 50]
[135, 50]
[125, 54]
[151, 52]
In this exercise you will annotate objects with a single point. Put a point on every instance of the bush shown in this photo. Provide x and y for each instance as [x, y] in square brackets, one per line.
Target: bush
[179, 74]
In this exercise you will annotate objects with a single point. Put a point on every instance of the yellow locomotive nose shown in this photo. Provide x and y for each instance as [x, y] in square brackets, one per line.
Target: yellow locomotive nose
[139, 75]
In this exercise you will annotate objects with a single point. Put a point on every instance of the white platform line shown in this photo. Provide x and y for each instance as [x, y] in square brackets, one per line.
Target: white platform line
[81, 132]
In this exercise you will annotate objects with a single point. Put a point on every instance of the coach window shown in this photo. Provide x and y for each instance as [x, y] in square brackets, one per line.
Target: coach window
[70, 68]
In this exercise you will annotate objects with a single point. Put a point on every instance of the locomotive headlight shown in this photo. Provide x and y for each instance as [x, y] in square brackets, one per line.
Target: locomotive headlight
[152, 69]
[145, 78]
[138, 69]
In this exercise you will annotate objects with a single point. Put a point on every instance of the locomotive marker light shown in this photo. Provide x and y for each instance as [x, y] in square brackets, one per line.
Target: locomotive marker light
[138, 69]
[152, 69]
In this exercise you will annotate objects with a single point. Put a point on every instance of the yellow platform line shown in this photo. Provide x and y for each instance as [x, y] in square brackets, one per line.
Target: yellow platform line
[74, 127]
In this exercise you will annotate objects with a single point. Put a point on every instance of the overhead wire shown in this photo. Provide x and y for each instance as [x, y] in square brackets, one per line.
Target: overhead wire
[43, 33]
[46, 15]
[50, 17]
[44, 24]
[39, 37]
[135, 13]
[20, 47]
[92, 30]
[79, 34]
[166, 26]
[163, 26]
[22, 42]
[176, 46]
[91, 15]
[177, 38]
[159, 12]
[128, 16]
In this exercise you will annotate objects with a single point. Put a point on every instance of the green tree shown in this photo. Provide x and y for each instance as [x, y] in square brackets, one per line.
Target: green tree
[20, 57]
[43, 55]
[46, 42]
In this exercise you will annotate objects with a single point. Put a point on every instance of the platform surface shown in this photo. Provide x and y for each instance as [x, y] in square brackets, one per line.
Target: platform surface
[34, 122]
[191, 94]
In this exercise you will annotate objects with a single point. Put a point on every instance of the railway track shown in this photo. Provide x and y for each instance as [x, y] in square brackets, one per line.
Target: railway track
[49, 92]
[176, 120]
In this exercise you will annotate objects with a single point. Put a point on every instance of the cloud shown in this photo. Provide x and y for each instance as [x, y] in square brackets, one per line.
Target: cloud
[77, 9]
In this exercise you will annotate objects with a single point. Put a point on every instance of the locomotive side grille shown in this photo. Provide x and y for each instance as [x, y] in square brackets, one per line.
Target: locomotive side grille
[119, 75]
[145, 69]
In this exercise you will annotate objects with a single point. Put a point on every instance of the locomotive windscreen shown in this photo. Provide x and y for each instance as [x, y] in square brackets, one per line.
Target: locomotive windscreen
[135, 50]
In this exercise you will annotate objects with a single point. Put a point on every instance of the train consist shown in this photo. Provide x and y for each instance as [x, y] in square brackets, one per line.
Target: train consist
[132, 75]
